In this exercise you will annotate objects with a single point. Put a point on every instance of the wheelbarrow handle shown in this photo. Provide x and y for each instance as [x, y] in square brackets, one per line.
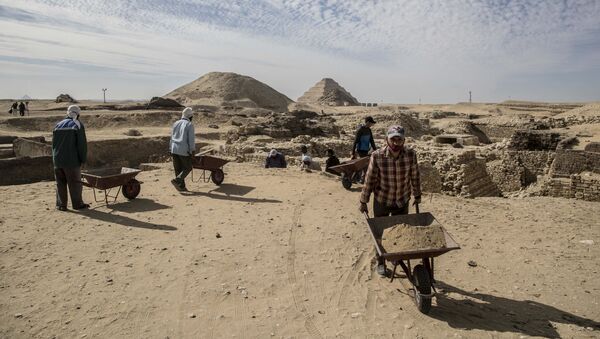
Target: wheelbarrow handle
[417, 208]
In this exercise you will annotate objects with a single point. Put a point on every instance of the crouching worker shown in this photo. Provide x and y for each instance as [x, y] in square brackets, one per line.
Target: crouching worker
[275, 160]
[182, 147]
[331, 161]
[392, 176]
[69, 152]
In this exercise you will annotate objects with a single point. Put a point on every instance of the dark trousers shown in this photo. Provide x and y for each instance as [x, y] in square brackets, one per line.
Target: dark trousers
[381, 210]
[71, 178]
[360, 176]
[183, 166]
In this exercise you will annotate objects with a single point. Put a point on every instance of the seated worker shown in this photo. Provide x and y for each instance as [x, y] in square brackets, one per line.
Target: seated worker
[275, 160]
[306, 161]
[332, 160]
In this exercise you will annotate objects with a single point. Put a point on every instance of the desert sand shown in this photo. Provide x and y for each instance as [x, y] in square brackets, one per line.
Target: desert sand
[293, 259]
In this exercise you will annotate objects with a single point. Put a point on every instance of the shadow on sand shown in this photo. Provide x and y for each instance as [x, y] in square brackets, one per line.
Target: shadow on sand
[137, 205]
[125, 221]
[231, 192]
[491, 313]
[232, 189]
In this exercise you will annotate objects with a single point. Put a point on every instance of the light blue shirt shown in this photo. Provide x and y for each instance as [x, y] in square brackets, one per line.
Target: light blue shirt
[183, 138]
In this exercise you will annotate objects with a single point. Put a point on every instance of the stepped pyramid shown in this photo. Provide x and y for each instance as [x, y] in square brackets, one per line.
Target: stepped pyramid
[328, 92]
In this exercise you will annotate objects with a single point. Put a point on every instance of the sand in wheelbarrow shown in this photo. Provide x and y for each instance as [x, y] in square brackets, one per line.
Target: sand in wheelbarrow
[402, 237]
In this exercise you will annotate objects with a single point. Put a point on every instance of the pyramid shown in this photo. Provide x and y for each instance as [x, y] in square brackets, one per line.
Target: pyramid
[328, 92]
[229, 89]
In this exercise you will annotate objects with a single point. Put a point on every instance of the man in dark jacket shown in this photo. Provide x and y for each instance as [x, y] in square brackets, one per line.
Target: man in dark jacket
[363, 142]
[22, 109]
[275, 160]
[69, 152]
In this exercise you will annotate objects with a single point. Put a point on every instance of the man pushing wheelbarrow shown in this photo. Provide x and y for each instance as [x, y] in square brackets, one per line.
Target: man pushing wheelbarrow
[392, 175]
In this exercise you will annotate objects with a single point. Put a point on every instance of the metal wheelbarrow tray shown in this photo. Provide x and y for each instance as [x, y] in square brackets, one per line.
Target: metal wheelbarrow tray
[109, 178]
[212, 164]
[347, 169]
[421, 277]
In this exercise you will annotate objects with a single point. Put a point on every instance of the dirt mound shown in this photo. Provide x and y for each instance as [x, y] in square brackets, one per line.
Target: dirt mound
[401, 237]
[328, 92]
[230, 90]
[158, 102]
[65, 98]
[590, 110]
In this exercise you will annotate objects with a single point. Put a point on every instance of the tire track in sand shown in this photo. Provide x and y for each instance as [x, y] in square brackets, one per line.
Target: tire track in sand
[297, 294]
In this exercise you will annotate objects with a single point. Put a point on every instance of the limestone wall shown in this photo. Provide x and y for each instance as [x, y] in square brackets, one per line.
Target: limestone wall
[31, 148]
[26, 170]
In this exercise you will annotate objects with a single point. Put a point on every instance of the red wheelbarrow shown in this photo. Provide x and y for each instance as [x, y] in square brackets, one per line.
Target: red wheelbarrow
[212, 164]
[109, 178]
[421, 277]
[348, 169]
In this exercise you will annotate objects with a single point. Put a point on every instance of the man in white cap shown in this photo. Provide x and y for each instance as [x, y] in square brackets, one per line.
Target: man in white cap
[69, 152]
[275, 160]
[182, 147]
[392, 176]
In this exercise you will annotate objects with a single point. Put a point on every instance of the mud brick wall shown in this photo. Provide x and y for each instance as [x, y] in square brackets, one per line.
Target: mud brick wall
[476, 181]
[585, 187]
[568, 162]
[593, 147]
[534, 140]
[507, 174]
[26, 170]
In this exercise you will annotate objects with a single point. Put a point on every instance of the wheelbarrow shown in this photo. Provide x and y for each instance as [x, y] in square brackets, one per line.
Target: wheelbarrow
[209, 163]
[421, 276]
[348, 169]
[109, 178]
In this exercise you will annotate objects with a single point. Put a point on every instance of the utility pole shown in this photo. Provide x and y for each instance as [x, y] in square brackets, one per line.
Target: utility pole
[469, 96]
[104, 92]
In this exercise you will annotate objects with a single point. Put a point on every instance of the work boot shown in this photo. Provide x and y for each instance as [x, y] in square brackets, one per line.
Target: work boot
[176, 184]
[82, 206]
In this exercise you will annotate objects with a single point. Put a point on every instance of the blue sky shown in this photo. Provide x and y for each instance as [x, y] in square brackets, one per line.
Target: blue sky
[381, 51]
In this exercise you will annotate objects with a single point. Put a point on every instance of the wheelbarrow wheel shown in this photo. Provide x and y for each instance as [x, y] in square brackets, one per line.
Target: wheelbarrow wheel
[346, 182]
[217, 176]
[131, 189]
[422, 289]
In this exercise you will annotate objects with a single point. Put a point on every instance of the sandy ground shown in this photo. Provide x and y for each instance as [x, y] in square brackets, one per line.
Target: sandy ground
[293, 259]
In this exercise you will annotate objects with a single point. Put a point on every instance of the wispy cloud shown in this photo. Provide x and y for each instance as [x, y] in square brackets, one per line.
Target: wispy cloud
[417, 47]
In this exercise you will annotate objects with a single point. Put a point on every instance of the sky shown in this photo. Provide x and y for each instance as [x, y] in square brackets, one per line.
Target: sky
[386, 51]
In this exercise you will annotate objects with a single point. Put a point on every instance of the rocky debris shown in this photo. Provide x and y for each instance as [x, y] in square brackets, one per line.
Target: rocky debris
[133, 133]
[328, 92]
[535, 140]
[159, 102]
[230, 91]
[65, 98]
[286, 126]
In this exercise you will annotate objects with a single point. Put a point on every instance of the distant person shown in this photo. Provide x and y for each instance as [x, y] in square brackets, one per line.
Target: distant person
[363, 142]
[27, 107]
[392, 176]
[331, 161]
[275, 160]
[182, 147]
[22, 109]
[14, 108]
[306, 161]
[69, 152]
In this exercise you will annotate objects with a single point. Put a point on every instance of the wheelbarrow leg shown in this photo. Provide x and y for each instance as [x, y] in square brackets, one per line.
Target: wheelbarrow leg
[394, 271]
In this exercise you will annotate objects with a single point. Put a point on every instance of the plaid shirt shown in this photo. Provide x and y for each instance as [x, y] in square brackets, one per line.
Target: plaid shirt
[392, 179]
